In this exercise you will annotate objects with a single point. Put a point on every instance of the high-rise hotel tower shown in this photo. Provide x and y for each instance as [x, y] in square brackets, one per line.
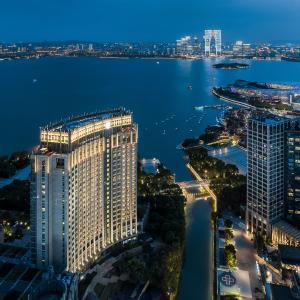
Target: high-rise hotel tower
[83, 189]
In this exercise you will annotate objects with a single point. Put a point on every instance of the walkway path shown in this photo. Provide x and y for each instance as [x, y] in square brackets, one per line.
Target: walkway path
[246, 257]
[104, 268]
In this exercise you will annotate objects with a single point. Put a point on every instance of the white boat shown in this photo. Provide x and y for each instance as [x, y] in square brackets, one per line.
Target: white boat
[199, 108]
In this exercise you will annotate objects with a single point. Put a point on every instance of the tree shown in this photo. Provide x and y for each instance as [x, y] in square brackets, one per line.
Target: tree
[8, 232]
[189, 142]
[135, 268]
[15, 196]
[259, 241]
[230, 255]
[228, 234]
[18, 232]
[166, 269]
[7, 168]
[228, 223]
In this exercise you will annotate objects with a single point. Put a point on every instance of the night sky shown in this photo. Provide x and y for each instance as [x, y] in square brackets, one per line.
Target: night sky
[148, 20]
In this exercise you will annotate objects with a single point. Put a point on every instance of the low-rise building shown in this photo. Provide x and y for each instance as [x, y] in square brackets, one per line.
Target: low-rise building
[286, 234]
[289, 257]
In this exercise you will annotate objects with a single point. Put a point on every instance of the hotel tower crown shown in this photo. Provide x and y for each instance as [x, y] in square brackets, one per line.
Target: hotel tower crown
[83, 189]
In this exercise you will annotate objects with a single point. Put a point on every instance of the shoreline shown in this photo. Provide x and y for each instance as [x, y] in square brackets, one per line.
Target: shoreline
[249, 106]
[235, 102]
[145, 57]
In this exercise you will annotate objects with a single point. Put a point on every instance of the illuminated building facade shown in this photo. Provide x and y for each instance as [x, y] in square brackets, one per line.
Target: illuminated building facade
[292, 194]
[186, 45]
[213, 42]
[83, 189]
[242, 49]
[265, 172]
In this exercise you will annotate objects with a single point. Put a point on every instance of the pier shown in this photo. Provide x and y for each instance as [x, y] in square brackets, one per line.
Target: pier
[216, 106]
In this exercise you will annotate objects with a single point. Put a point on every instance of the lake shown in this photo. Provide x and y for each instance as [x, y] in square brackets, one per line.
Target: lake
[35, 92]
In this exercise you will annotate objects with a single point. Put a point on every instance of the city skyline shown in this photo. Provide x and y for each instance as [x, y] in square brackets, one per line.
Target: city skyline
[120, 21]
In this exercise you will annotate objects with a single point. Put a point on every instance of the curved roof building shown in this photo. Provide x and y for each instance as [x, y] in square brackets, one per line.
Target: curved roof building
[83, 189]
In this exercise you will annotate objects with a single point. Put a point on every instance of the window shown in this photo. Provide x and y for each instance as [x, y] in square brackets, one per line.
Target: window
[60, 163]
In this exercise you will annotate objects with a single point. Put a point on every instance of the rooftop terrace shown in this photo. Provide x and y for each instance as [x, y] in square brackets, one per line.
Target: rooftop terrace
[269, 119]
[85, 119]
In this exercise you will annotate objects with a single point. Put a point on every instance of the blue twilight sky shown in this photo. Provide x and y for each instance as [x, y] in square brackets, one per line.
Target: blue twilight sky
[148, 20]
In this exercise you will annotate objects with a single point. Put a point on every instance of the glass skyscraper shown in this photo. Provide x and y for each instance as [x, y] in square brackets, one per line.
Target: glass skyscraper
[292, 175]
[265, 176]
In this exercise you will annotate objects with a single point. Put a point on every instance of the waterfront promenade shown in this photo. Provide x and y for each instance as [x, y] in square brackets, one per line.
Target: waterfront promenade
[246, 256]
[235, 102]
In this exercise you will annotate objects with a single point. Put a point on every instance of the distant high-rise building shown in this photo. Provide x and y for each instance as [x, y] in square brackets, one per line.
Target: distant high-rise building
[265, 172]
[196, 45]
[90, 47]
[83, 189]
[240, 48]
[212, 42]
[185, 46]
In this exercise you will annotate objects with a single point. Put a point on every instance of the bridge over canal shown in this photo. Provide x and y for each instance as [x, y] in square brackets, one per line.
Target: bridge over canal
[193, 189]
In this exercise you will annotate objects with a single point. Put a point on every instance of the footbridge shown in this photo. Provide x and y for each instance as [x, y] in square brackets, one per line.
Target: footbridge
[193, 189]
[192, 184]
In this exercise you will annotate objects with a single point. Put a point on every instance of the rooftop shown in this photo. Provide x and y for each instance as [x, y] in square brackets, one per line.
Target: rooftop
[85, 119]
[269, 119]
[288, 229]
[289, 255]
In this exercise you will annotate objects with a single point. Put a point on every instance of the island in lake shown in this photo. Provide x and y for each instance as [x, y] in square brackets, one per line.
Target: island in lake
[230, 66]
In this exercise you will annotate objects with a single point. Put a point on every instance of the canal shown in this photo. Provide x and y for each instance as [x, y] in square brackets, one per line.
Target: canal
[196, 280]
